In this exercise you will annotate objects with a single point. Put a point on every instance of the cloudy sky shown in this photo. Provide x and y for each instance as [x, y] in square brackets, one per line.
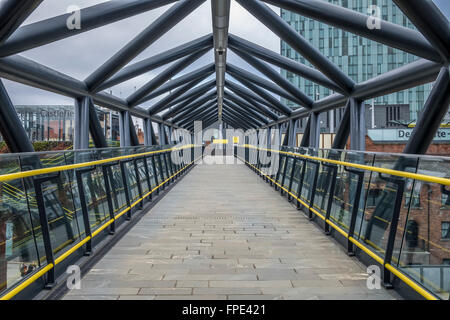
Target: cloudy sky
[80, 55]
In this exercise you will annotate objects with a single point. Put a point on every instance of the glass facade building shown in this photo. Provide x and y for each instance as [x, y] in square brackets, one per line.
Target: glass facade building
[358, 57]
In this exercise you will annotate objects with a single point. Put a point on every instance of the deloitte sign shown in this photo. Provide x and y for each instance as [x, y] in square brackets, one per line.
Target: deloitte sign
[403, 135]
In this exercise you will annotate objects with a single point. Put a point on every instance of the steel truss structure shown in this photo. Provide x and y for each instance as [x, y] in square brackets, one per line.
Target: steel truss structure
[244, 102]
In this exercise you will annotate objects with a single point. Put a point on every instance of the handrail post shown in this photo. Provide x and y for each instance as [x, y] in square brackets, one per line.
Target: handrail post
[138, 181]
[300, 183]
[356, 201]
[84, 208]
[50, 281]
[105, 167]
[334, 169]
[125, 188]
[294, 163]
[400, 182]
[313, 188]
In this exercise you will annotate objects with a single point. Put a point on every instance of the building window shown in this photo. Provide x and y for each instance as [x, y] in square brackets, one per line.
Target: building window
[445, 230]
[446, 262]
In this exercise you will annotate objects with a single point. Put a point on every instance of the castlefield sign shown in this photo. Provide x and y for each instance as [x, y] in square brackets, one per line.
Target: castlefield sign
[402, 135]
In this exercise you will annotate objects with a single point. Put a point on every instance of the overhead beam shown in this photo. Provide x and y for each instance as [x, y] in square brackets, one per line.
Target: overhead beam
[249, 96]
[273, 102]
[164, 102]
[212, 111]
[220, 21]
[276, 77]
[431, 116]
[157, 61]
[152, 33]
[190, 104]
[53, 29]
[188, 116]
[13, 13]
[268, 85]
[243, 117]
[281, 28]
[390, 34]
[243, 107]
[136, 98]
[181, 80]
[11, 127]
[194, 106]
[19, 69]
[430, 21]
[283, 62]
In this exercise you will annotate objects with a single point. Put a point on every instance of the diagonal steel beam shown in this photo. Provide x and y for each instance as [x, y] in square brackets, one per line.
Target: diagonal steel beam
[156, 61]
[280, 27]
[152, 33]
[236, 124]
[187, 116]
[268, 85]
[231, 115]
[13, 13]
[242, 116]
[244, 111]
[390, 34]
[282, 62]
[212, 111]
[163, 103]
[19, 69]
[189, 98]
[197, 103]
[430, 21]
[136, 98]
[276, 77]
[432, 115]
[244, 107]
[53, 29]
[274, 103]
[181, 80]
[248, 96]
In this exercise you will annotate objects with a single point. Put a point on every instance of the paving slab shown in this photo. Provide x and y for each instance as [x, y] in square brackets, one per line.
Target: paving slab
[223, 233]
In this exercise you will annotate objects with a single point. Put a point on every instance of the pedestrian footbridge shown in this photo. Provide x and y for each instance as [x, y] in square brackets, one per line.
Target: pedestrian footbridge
[169, 223]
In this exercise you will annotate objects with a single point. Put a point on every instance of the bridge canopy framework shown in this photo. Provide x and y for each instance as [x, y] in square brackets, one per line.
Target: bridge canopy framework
[247, 99]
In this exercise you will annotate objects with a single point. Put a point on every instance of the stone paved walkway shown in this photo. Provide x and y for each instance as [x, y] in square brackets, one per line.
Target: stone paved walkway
[221, 233]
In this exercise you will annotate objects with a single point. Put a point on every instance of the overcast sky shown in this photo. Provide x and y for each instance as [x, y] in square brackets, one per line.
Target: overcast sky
[80, 55]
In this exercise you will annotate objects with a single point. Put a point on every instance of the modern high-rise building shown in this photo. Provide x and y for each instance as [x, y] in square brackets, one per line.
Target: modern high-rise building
[358, 57]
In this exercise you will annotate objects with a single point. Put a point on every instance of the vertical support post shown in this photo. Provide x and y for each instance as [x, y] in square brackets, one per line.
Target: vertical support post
[124, 129]
[162, 135]
[357, 125]
[11, 127]
[98, 135]
[314, 130]
[81, 137]
[341, 137]
[305, 139]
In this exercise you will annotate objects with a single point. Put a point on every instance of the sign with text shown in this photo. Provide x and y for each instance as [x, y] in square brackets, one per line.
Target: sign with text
[403, 135]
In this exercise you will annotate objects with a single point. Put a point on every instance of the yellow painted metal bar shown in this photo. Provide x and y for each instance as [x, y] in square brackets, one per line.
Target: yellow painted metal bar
[419, 289]
[9, 295]
[415, 176]
[35, 172]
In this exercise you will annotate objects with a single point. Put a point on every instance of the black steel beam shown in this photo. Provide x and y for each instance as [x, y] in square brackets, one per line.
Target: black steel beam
[28, 72]
[431, 116]
[430, 21]
[388, 33]
[281, 28]
[203, 115]
[268, 85]
[194, 105]
[250, 97]
[163, 104]
[243, 117]
[275, 76]
[13, 13]
[239, 120]
[236, 103]
[273, 102]
[192, 101]
[152, 33]
[305, 138]
[283, 62]
[181, 80]
[407, 76]
[49, 30]
[236, 124]
[191, 114]
[158, 60]
[343, 131]
[95, 128]
[134, 141]
[136, 98]
[11, 127]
